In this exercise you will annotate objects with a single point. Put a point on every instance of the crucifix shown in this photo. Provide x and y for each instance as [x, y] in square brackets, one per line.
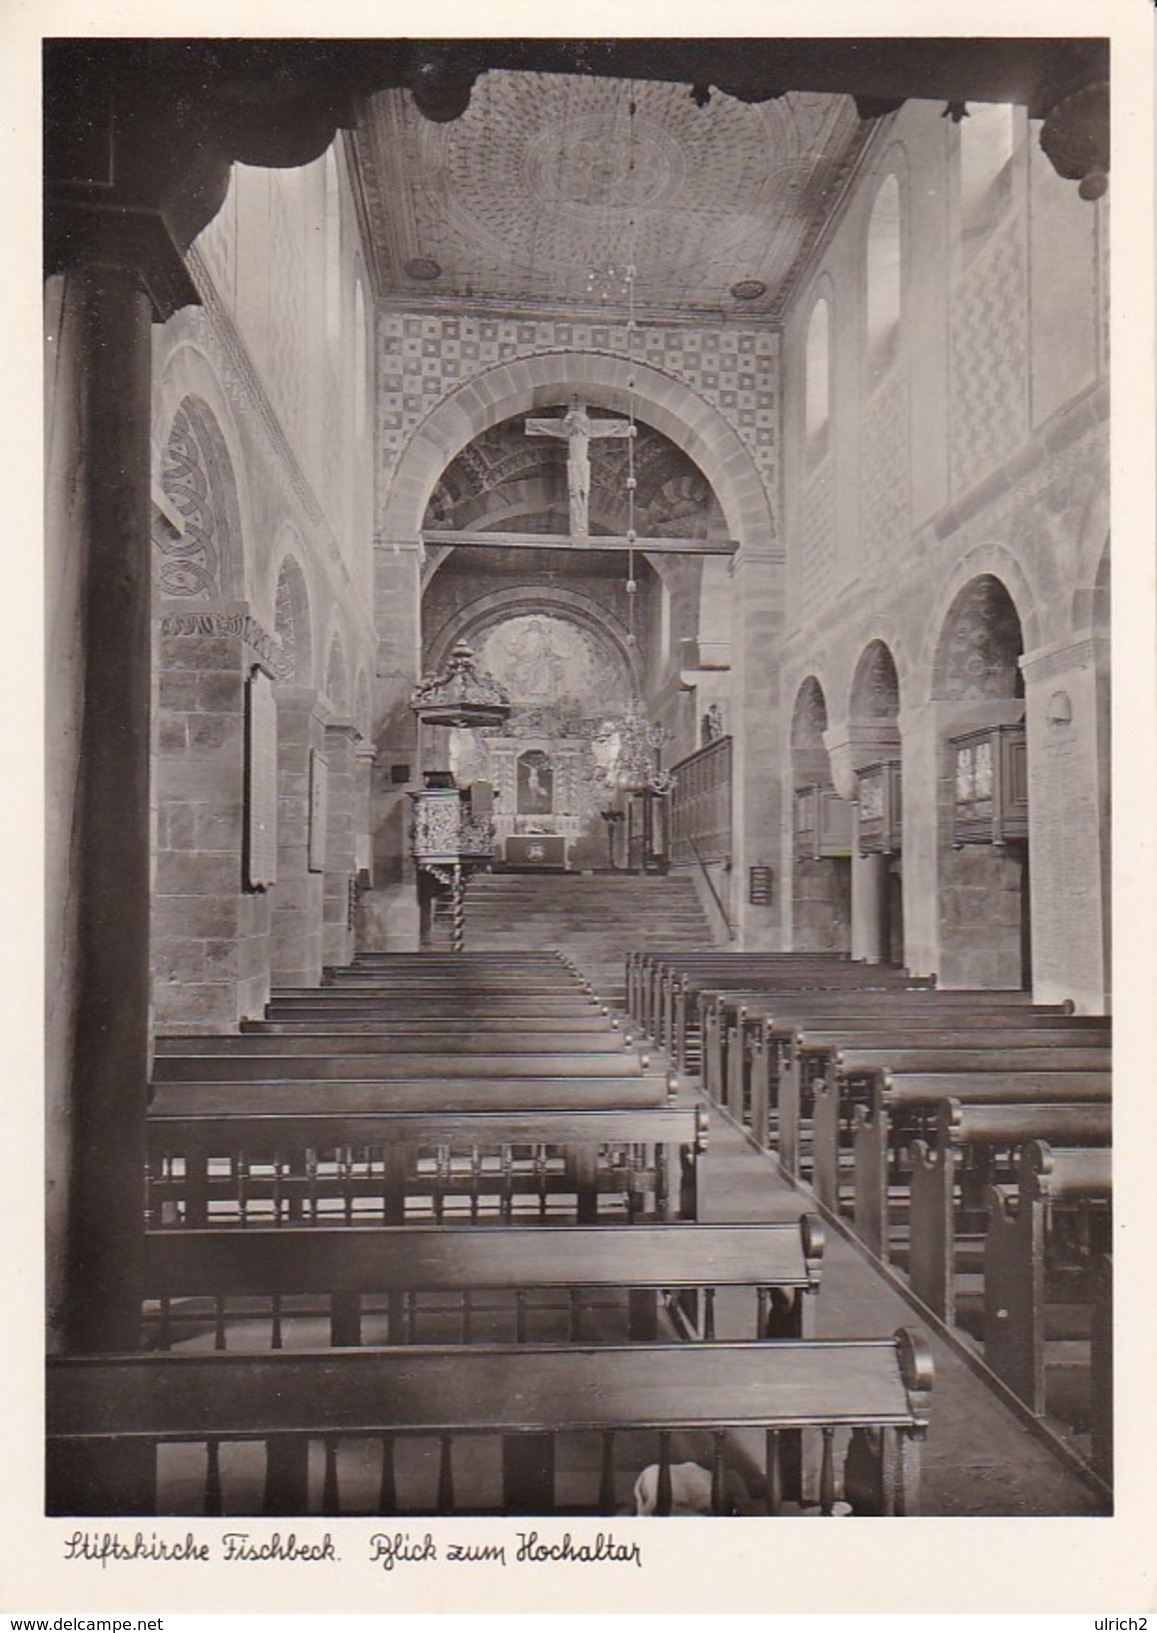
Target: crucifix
[578, 428]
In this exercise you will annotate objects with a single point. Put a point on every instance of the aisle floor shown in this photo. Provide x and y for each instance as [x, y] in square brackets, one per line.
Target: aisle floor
[979, 1458]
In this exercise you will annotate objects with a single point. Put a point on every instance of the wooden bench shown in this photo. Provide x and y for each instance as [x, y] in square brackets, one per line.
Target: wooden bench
[1043, 1252]
[646, 967]
[325, 1168]
[107, 1415]
[587, 1023]
[783, 1068]
[849, 1070]
[682, 998]
[732, 1022]
[975, 1147]
[336, 1066]
[351, 1097]
[727, 1012]
[660, 979]
[656, 1265]
[902, 1106]
[427, 1006]
[414, 1038]
[809, 1055]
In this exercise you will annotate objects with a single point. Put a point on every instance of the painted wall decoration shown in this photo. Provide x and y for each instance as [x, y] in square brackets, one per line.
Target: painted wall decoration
[545, 661]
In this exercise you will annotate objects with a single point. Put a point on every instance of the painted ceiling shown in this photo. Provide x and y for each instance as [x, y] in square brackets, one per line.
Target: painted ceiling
[547, 187]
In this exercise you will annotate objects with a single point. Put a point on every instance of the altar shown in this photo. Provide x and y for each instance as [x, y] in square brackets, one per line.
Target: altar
[544, 853]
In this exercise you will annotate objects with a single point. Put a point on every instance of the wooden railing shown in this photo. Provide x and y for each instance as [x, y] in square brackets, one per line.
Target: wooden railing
[701, 805]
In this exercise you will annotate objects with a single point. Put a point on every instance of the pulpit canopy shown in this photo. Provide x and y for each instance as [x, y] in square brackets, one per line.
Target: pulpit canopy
[459, 695]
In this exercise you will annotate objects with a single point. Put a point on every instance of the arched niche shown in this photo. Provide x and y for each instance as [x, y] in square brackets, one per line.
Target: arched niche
[292, 624]
[883, 273]
[980, 645]
[197, 539]
[336, 676]
[984, 897]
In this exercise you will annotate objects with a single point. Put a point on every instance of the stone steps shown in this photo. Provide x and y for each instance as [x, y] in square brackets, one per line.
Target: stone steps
[594, 921]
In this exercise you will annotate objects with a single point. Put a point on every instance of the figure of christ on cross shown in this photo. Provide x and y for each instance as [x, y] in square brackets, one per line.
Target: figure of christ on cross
[578, 428]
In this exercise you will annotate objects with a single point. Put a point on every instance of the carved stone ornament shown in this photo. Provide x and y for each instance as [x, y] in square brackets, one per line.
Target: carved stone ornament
[459, 695]
[241, 624]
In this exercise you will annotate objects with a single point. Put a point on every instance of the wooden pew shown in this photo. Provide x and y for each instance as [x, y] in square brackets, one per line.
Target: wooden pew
[336, 1065]
[415, 1038]
[323, 1168]
[1046, 1237]
[656, 1265]
[351, 1097]
[731, 1014]
[849, 1068]
[900, 1102]
[427, 1006]
[973, 1148]
[879, 1388]
[682, 994]
[730, 1022]
[783, 1069]
[809, 1053]
[586, 1023]
[657, 975]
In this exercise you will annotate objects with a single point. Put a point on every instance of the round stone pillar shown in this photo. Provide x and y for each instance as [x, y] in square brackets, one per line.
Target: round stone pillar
[99, 561]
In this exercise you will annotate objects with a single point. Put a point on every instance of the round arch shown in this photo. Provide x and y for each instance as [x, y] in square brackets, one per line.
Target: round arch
[292, 617]
[991, 560]
[189, 377]
[336, 673]
[874, 694]
[546, 380]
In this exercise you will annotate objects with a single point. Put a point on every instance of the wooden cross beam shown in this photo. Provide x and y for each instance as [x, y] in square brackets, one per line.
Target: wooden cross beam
[592, 541]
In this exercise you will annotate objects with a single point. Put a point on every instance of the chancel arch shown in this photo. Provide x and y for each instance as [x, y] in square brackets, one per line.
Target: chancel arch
[547, 379]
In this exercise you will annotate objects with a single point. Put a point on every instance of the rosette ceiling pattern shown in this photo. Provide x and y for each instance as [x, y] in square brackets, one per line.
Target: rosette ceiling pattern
[546, 180]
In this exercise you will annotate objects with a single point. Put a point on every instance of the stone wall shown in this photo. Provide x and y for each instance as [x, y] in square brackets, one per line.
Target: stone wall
[933, 477]
[261, 544]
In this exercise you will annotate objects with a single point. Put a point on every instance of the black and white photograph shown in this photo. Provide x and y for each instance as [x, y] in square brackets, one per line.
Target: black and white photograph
[586, 889]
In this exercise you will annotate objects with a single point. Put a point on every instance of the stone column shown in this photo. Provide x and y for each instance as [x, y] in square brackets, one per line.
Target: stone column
[98, 572]
[389, 911]
[340, 862]
[1067, 721]
[919, 733]
[852, 746]
[760, 806]
[869, 903]
[397, 617]
[298, 897]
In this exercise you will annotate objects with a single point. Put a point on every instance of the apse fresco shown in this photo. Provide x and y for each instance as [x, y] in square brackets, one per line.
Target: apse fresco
[546, 661]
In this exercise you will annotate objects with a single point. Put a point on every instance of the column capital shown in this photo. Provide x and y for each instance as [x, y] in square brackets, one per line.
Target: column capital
[1085, 652]
[80, 235]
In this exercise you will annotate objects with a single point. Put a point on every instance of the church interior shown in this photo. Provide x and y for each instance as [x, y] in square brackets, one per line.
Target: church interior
[578, 855]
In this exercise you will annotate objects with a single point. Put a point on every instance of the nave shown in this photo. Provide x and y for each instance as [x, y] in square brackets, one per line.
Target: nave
[484, 1170]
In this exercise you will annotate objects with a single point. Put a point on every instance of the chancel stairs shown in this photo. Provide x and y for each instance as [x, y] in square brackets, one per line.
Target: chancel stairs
[591, 918]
